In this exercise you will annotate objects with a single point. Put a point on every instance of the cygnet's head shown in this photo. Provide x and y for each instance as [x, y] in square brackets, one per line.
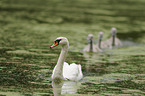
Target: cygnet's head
[90, 36]
[100, 36]
[60, 41]
[113, 31]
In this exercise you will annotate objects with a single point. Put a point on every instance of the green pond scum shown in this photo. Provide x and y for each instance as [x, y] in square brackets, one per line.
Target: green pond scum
[29, 27]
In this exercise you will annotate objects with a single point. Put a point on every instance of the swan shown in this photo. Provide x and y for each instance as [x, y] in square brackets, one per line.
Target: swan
[91, 46]
[113, 41]
[62, 70]
[100, 44]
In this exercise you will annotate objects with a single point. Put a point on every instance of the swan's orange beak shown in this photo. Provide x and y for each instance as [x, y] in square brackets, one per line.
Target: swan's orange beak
[55, 44]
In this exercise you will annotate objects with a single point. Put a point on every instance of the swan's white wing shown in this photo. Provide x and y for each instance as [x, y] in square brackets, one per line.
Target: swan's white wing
[65, 70]
[80, 74]
[72, 72]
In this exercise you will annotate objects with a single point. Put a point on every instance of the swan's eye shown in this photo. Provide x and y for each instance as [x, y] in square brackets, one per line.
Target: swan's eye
[56, 42]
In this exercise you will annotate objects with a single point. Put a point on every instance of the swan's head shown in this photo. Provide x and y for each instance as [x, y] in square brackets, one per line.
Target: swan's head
[90, 36]
[113, 31]
[60, 41]
[100, 36]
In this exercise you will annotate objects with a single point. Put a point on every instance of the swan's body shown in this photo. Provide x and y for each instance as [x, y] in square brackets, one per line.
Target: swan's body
[113, 41]
[62, 70]
[91, 46]
[72, 72]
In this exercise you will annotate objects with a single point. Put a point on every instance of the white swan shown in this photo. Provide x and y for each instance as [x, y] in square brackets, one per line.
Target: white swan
[91, 46]
[62, 70]
[113, 41]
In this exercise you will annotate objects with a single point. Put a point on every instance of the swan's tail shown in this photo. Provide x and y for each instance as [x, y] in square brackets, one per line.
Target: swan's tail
[80, 75]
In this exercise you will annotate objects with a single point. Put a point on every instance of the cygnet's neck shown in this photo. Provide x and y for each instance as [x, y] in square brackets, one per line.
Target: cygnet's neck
[90, 45]
[113, 39]
[99, 42]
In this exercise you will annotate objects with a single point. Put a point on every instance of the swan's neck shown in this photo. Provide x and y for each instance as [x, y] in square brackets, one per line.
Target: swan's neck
[113, 40]
[58, 74]
[91, 45]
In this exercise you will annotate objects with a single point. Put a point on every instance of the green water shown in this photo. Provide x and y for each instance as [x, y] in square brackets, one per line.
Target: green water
[28, 29]
[115, 72]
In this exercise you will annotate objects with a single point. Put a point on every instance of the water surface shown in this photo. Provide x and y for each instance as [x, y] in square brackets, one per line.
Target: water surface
[116, 71]
[28, 29]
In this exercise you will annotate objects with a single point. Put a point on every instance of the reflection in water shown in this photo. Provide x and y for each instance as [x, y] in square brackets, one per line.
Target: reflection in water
[94, 65]
[90, 57]
[65, 87]
[57, 88]
[70, 87]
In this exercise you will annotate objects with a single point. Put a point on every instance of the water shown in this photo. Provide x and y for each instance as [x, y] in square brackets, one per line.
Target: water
[115, 71]
[27, 31]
